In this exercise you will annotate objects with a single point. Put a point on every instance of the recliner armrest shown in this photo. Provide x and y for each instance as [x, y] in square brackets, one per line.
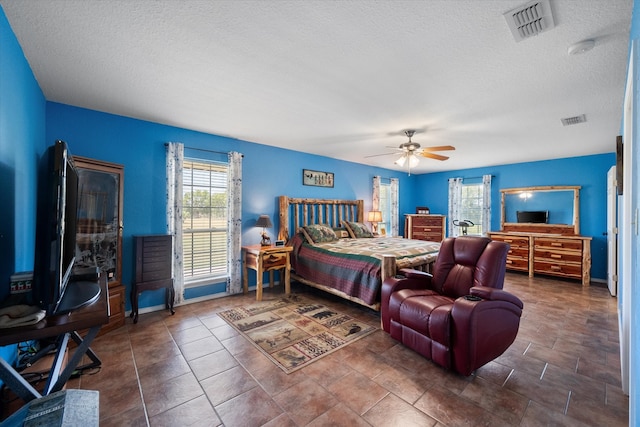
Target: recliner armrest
[493, 294]
[408, 279]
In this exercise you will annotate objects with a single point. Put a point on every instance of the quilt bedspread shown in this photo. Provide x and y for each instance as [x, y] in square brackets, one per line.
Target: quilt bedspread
[353, 266]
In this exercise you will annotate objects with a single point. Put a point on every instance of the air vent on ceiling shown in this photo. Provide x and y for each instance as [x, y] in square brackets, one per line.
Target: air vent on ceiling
[530, 19]
[568, 121]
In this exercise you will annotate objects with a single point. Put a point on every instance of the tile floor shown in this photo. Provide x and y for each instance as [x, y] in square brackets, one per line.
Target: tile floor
[193, 369]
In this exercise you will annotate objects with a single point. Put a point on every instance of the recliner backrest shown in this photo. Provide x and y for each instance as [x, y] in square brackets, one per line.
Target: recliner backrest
[467, 261]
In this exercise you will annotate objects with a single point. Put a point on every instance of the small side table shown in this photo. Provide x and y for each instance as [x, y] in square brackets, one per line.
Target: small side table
[266, 258]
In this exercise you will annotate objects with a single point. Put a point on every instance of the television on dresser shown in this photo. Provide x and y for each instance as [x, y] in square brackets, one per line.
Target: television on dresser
[539, 217]
[54, 286]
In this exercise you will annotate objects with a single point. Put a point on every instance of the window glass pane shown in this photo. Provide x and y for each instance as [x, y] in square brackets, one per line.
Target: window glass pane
[472, 207]
[385, 207]
[204, 219]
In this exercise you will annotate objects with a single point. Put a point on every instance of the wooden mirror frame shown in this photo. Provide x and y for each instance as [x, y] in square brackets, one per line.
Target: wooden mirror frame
[564, 229]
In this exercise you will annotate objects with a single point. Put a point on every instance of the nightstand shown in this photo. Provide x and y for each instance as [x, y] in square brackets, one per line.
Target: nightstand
[266, 258]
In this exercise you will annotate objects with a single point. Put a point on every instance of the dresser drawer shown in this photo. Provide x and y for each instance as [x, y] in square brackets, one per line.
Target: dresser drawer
[514, 242]
[434, 221]
[564, 270]
[557, 256]
[518, 252]
[517, 263]
[430, 235]
[567, 244]
[272, 261]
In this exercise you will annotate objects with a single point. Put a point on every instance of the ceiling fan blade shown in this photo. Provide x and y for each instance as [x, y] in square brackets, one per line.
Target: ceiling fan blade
[434, 156]
[384, 154]
[439, 148]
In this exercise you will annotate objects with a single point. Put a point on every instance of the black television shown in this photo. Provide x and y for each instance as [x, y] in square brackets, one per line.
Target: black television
[54, 288]
[540, 217]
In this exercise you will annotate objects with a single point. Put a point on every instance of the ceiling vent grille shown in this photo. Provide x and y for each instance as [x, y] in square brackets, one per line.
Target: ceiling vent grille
[568, 121]
[530, 19]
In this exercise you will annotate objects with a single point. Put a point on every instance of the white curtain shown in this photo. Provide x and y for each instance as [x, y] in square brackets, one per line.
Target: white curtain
[375, 199]
[175, 160]
[395, 189]
[455, 205]
[486, 204]
[234, 218]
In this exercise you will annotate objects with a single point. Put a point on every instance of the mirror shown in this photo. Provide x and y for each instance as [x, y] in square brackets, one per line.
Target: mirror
[550, 209]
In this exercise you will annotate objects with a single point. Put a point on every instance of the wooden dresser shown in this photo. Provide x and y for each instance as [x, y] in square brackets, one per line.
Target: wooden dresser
[425, 227]
[567, 256]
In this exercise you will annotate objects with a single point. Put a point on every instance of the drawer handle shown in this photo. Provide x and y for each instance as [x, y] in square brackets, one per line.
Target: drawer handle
[556, 256]
[556, 244]
[508, 240]
[509, 261]
[555, 267]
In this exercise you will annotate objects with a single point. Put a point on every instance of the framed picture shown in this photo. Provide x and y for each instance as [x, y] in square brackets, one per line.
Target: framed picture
[423, 210]
[317, 178]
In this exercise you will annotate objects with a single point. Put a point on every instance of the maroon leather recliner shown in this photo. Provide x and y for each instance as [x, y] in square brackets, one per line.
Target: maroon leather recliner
[458, 316]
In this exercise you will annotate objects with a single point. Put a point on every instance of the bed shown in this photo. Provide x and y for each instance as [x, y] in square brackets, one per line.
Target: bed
[348, 266]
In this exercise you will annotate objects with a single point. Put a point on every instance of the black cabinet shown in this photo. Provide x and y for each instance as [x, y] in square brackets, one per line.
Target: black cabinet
[152, 269]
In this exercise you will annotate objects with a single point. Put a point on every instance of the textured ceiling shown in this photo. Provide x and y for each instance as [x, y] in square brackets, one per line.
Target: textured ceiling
[341, 78]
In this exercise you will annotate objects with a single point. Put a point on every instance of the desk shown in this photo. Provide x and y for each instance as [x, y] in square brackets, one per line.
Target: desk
[266, 258]
[61, 327]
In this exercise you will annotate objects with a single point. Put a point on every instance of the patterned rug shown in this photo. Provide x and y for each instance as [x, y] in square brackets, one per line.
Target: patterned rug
[293, 331]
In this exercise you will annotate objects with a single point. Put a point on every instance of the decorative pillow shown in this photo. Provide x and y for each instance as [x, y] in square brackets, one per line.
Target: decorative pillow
[357, 230]
[319, 233]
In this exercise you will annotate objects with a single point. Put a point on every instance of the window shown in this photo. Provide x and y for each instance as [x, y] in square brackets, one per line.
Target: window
[384, 228]
[470, 201]
[471, 207]
[204, 216]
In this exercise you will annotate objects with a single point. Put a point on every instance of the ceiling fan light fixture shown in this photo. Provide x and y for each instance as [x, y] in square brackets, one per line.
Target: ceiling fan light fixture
[401, 161]
[413, 160]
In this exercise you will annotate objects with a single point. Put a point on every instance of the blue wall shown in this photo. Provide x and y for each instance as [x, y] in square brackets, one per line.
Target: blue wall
[267, 173]
[22, 121]
[590, 172]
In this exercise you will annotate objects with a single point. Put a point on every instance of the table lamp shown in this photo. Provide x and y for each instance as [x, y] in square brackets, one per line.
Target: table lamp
[265, 222]
[374, 217]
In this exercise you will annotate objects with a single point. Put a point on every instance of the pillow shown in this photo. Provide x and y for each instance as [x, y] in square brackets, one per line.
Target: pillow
[357, 229]
[319, 233]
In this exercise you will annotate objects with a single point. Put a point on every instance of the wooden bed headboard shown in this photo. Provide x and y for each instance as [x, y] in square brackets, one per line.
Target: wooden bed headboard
[298, 212]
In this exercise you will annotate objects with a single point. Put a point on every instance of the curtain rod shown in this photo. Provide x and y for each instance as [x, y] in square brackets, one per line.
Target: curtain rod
[476, 177]
[204, 149]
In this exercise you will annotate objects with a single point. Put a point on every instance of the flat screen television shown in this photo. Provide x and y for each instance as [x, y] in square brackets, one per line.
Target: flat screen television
[55, 245]
[533, 216]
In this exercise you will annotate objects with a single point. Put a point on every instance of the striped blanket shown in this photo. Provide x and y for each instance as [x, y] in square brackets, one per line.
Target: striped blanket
[353, 266]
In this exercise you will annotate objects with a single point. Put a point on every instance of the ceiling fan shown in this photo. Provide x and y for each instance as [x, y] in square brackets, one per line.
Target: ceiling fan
[410, 152]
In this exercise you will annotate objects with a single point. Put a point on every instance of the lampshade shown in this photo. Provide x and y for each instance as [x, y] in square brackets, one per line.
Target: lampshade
[264, 221]
[413, 160]
[374, 216]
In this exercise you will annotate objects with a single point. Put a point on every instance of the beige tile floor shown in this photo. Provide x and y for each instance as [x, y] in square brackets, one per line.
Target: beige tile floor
[193, 369]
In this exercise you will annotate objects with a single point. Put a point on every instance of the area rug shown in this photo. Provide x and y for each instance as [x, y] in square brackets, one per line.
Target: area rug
[294, 331]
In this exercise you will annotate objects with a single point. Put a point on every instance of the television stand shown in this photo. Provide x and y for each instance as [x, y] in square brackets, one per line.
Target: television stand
[62, 327]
